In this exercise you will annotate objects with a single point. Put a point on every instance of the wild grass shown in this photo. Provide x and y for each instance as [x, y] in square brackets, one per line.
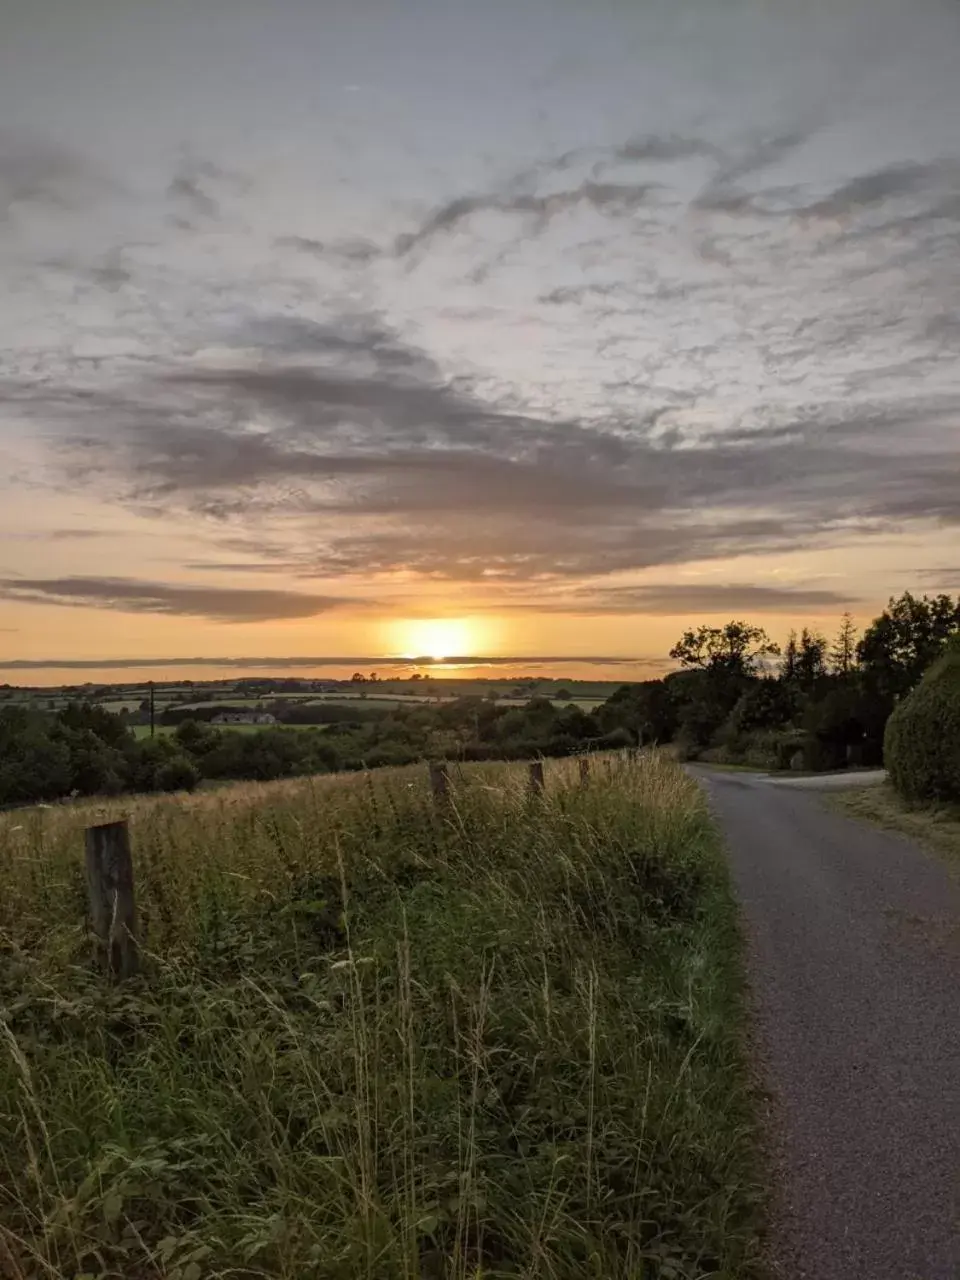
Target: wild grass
[376, 1038]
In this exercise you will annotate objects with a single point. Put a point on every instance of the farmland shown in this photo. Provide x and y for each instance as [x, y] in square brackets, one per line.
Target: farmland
[378, 1036]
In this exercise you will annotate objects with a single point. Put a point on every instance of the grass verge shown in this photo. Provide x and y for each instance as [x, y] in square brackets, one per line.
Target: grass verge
[938, 827]
[377, 1039]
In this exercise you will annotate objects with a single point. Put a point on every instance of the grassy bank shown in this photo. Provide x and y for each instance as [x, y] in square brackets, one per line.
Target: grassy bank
[938, 827]
[376, 1040]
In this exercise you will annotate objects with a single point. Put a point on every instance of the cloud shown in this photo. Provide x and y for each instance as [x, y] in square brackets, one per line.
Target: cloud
[671, 599]
[385, 464]
[617, 197]
[518, 194]
[189, 188]
[219, 604]
[893, 182]
[940, 579]
[36, 173]
[937, 182]
[346, 250]
[186, 191]
[365, 338]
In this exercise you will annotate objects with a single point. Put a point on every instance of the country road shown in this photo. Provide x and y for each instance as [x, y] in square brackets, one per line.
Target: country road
[854, 964]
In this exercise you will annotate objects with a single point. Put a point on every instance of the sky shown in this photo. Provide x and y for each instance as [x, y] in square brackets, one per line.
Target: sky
[531, 329]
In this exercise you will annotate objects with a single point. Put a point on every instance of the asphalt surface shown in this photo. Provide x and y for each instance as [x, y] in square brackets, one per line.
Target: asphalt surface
[854, 940]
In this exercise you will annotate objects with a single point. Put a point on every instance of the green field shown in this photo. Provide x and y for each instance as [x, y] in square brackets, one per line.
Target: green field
[374, 1036]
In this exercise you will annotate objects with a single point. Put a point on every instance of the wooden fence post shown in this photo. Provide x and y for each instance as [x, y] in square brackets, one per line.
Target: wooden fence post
[439, 781]
[536, 778]
[584, 770]
[113, 910]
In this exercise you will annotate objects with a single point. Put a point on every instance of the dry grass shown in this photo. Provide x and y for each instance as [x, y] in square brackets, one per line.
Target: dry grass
[937, 827]
[374, 1039]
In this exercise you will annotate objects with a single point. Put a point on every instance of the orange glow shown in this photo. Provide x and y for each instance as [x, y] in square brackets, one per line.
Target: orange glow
[439, 638]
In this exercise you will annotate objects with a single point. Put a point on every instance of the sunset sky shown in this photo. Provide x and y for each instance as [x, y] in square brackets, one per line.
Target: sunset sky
[525, 328]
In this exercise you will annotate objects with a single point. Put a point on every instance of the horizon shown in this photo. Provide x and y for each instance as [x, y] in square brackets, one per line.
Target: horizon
[197, 669]
[471, 330]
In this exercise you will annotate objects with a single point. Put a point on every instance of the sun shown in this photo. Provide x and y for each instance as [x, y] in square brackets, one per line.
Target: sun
[438, 638]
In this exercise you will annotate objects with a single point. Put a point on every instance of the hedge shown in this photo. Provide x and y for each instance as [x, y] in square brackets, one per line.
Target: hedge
[922, 740]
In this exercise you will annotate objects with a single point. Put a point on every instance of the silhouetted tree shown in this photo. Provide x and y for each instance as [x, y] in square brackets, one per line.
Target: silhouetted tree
[737, 648]
[907, 637]
[843, 655]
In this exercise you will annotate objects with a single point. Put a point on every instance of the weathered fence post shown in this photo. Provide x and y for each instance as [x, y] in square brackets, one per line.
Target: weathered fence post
[536, 778]
[113, 910]
[439, 781]
[584, 770]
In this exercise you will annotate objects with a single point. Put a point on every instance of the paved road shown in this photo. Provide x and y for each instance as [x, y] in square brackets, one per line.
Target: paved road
[855, 968]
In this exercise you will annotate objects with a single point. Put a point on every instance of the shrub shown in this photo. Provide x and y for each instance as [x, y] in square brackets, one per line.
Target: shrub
[178, 774]
[922, 742]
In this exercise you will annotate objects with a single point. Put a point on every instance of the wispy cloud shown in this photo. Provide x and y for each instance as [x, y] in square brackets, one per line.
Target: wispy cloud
[436, 480]
[219, 604]
[682, 599]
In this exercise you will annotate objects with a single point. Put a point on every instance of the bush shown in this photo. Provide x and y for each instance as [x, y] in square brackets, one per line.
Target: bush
[178, 774]
[922, 742]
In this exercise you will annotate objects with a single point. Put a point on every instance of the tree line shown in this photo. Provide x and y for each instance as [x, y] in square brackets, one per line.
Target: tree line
[85, 750]
[814, 703]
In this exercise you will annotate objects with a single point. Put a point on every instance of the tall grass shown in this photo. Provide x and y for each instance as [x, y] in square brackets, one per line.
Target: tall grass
[374, 1038]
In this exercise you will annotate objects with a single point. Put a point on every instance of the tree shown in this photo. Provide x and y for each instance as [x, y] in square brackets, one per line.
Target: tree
[179, 773]
[767, 704]
[735, 649]
[811, 660]
[647, 709]
[843, 655]
[788, 663]
[905, 640]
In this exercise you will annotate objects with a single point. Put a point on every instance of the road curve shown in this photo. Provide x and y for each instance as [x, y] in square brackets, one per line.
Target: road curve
[854, 962]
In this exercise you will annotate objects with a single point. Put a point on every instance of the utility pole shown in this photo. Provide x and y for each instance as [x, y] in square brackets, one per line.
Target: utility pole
[152, 710]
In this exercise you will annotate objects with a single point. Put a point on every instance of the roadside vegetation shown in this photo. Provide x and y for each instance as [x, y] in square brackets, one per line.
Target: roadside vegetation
[935, 825]
[922, 746]
[922, 749]
[374, 1036]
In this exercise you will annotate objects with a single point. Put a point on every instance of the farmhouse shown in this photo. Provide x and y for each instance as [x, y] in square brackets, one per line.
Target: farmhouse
[244, 717]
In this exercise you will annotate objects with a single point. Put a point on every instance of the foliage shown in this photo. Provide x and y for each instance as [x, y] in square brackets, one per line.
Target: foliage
[734, 649]
[825, 708]
[374, 1038]
[86, 750]
[922, 743]
[647, 710]
[848, 715]
[908, 636]
[843, 653]
[766, 704]
[804, 661]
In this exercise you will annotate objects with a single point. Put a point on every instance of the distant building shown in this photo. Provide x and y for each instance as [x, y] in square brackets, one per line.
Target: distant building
[244, 717]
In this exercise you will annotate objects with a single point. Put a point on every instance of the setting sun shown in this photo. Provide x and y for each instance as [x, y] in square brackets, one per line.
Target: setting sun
[439, 638]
